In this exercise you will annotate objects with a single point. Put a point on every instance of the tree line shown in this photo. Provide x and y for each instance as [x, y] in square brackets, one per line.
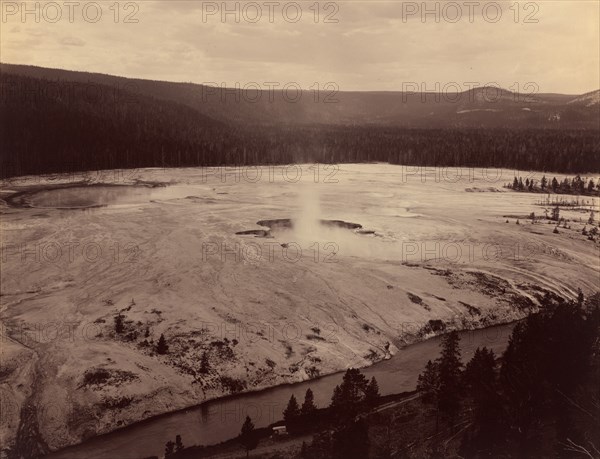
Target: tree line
[538, 399]
[44, 132]
[575, 185]
[354, 396]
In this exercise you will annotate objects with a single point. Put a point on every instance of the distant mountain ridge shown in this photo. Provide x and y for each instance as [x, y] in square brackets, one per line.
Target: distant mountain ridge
[485, 107]
[55, 121]
[588, 99]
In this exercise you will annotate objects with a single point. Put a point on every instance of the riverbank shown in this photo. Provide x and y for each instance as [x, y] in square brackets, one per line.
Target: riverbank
[290, 445]
[220, 420]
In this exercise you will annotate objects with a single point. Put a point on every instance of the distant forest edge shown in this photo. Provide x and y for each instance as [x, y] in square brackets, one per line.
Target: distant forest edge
[55, 121]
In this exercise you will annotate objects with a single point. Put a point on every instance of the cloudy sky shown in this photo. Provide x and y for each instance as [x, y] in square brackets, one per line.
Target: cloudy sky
[359, 45]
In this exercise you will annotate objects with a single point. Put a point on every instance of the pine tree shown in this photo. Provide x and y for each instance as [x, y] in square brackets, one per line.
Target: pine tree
[521, 186]
[591, 219]
[515, 185]
[590, 186]
[372, 391]
[204, 365]
[336, 398]
[578, 185]
[554, 184]
[292, 412]
[348, 395]
[353, 386]
[481, 380]
[308, 407]
[449, 393]
[161, 346]
[169, 448]
[178, 443]
[119, 325]
[248, 437]
[428, 383]
[480, 371]
[543, 183]
[580, 297]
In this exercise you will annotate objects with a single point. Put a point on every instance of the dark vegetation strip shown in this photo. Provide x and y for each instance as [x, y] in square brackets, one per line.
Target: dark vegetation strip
[45, 133]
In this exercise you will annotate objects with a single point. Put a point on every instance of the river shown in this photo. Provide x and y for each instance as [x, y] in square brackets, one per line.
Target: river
[219, 420]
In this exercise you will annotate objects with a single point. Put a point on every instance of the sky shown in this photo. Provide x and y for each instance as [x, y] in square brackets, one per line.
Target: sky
[543, 46]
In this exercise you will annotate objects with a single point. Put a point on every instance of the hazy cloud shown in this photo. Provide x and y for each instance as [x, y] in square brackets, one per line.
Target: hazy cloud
[372, 46]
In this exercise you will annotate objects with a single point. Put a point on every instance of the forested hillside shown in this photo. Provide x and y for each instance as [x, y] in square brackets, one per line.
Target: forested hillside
[60, 121]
